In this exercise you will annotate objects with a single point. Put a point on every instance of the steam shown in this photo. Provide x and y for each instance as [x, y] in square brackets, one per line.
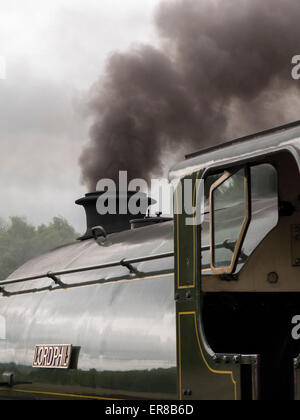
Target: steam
[223, 70]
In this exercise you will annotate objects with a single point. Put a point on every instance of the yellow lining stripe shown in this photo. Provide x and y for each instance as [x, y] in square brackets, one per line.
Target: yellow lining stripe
[180, 314]
[179, 357]
[194, 228]
[56, 394]
[177, 221]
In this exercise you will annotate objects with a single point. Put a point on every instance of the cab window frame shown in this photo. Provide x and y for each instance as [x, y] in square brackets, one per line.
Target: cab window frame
[244, 227]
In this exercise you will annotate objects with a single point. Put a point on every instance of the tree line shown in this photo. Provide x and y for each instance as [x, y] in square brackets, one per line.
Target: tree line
[20, 241]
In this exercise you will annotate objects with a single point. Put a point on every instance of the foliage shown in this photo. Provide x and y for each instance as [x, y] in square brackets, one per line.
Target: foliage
[142, 381]
[20, 241]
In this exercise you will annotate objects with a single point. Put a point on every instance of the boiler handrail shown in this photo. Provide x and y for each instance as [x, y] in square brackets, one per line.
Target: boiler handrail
[121, 263]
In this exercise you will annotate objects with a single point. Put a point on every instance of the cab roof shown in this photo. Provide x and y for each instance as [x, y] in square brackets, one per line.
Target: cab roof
[286, 137]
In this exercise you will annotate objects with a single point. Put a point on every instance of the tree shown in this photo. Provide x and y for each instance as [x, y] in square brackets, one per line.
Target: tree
[20, 241]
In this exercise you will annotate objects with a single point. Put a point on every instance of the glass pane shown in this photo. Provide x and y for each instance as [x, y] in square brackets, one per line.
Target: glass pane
[264, 199]
[207, 186]
[229, 205]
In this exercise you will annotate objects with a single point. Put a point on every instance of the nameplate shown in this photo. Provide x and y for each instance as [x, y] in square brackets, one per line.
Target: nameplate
[52, 356]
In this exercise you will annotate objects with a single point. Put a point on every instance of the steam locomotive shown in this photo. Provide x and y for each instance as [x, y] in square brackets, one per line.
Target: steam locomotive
[161, 309]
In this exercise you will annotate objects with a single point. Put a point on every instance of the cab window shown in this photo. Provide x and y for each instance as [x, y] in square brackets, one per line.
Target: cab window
[241, 209]
[229, 218]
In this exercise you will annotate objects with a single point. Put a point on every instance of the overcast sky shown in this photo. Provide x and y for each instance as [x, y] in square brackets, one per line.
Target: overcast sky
[54, 51]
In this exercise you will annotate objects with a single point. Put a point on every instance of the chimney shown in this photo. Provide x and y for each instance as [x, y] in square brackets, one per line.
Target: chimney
[112, 223]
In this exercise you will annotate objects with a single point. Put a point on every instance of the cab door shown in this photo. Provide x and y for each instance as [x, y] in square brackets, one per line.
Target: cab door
[204, 373]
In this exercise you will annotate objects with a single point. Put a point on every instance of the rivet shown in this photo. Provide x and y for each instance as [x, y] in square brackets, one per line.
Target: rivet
[236, 359]
[273, 278]
[216, 359]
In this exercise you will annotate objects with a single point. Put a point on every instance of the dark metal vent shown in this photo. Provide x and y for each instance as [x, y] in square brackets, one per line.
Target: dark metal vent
[148, 220]
[112, 223]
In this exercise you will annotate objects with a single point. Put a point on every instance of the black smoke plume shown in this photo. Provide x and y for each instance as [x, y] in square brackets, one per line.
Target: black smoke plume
[223, 69]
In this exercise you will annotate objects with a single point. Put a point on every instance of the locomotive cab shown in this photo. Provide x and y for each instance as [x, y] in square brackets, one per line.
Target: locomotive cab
[244, 279]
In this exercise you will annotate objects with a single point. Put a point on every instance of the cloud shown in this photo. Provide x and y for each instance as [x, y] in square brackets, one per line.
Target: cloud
[54, 51]
[220, 69]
